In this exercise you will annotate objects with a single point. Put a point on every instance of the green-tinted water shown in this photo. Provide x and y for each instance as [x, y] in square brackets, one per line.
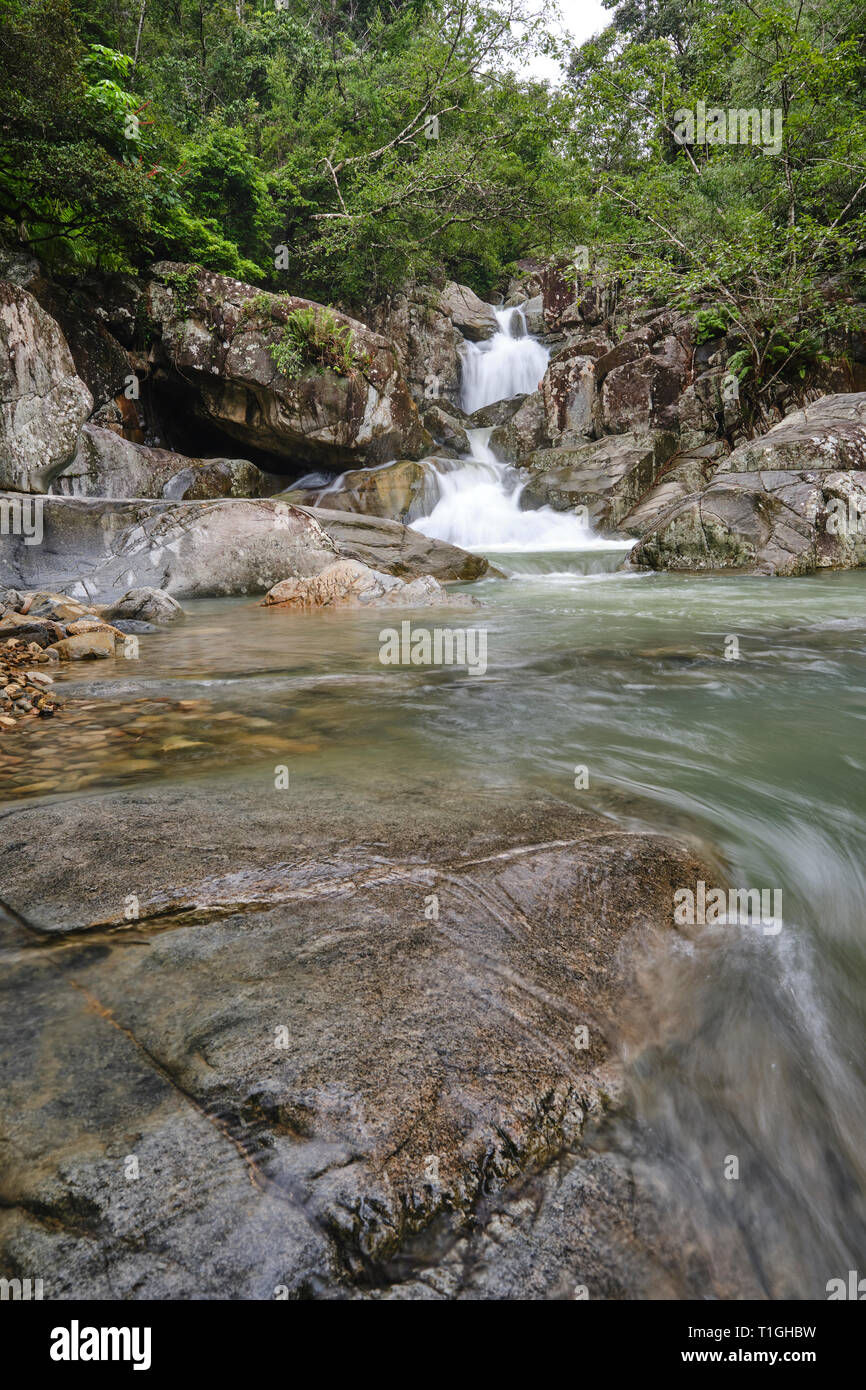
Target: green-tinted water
[754, 744]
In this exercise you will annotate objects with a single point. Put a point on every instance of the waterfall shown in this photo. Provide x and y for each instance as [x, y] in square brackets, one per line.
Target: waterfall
[511, 363]
[479, 504]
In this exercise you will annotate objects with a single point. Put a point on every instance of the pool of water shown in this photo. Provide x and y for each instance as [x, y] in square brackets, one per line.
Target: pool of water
[730, 709]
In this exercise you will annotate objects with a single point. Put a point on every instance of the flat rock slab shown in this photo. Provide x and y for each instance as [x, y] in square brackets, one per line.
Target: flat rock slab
[310, 1041]
[98, 549]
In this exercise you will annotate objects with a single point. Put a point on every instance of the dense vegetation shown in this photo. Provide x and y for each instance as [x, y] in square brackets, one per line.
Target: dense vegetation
[334, 148]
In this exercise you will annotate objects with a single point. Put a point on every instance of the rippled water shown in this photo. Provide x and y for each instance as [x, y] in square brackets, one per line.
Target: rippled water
[756, 1046]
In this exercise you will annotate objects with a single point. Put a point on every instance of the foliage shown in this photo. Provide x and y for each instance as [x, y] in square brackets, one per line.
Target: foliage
[338, 148]
[313, 338]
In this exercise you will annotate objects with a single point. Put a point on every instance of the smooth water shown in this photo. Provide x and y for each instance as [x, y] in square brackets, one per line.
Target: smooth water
[729, 710]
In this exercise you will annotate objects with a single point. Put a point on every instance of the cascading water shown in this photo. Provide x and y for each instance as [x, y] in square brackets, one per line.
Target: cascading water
[479, 505]
[510, 364]
[479, 509]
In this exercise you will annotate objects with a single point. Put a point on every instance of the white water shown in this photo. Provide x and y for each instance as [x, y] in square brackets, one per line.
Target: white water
[479, 509]
[479, 505]
[504, 366]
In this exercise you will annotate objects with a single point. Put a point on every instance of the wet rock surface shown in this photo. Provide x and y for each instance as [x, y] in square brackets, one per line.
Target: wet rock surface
[308, 1066]
[402, 491]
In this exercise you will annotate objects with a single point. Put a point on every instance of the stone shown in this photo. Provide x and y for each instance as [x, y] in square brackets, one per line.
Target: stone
[107, 465]
[402, 491]
[348, 583]
[307, 1069]
[134, 626]
[525, 432]
[476, 320]
[684, 474]
[43, 402]
[569, 395]
[706, 409]
[10, 599]
[214, 336]
[607, 476]
[144, 606]
[828, 434]
[386, 545]
[39, 630]
[533, 311]
[496, 414]
[790, 502]
[86, 646]
[60, 608]
[642, 394]
[95, 549]
[446, 428]
[428, 344]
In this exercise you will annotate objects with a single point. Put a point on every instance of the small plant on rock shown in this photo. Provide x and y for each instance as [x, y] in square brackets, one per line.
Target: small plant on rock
[312, 338]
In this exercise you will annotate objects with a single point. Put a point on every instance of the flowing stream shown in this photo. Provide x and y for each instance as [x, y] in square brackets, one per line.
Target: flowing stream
[755, 1047]
[479, 505]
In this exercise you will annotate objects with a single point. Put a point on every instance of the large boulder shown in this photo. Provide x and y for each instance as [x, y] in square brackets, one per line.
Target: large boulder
[686, 473]
[43, 402]
[570, 399]
[790, 502]
[642, 394]
[607, 476]
[386, 545]
[475, 319]
[307, 1064]
[93, 311]
[428, 343]
[107, 465]
[402, 491]
[95, 549]
[448, 425]
[527, 430]
[215, 337]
